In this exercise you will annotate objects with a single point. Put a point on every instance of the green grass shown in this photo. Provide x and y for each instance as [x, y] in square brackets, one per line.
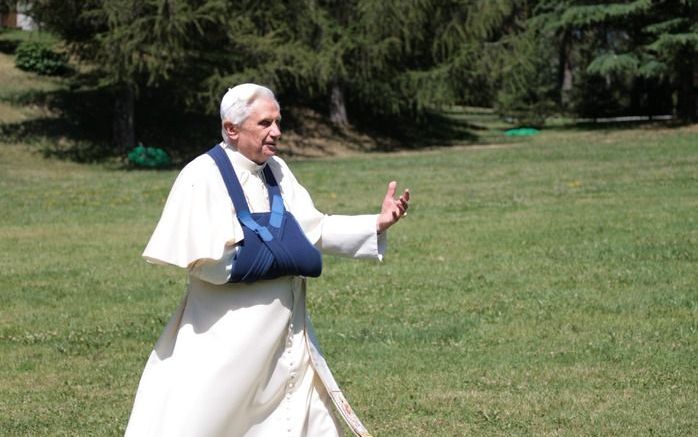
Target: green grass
[547, 287]
[16, 86]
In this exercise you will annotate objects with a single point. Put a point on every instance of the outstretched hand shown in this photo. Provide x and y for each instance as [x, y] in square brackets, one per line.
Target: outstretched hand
[392, 209]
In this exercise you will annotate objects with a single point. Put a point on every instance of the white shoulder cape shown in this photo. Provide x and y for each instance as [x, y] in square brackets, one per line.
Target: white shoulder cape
[198, 221]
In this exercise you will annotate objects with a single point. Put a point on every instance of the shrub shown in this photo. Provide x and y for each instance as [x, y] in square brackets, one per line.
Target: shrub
[39, 57]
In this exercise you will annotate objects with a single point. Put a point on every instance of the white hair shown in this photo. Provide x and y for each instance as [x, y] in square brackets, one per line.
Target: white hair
[236, 103]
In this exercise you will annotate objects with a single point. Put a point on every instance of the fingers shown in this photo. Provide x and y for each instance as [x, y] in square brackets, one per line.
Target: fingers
[404, 201]
[401, 205]
[392, 186]
[396, 207]
[392, 209]
[405, 198]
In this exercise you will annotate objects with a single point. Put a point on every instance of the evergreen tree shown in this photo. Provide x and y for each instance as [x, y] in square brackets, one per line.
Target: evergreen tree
[639, 45]
[427, 53]
[521, 54]
[370, 58]
[375, 59]
[133, 44]
[674, 49]
[387, 59]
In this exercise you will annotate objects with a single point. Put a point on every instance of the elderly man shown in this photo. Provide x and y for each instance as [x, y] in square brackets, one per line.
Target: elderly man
[238, 357]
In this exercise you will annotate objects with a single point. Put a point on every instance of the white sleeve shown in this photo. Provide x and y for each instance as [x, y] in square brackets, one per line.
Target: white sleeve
[354, 236]
[198, 221]
[215, 271]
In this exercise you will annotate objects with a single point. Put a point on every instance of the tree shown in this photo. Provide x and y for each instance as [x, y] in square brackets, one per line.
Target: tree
[132, 44]
[521, 58]
[674, 48]
[360, 59]
[418, 55]
[370, 58]
[633, 43]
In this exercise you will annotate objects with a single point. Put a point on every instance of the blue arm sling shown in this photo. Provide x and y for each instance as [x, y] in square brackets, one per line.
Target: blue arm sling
[274, 245]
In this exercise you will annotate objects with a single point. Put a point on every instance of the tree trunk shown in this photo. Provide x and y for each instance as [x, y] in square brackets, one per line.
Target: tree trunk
[338, 110]
[638, 90]
[686, 101]
[564, 80]
[124, 135]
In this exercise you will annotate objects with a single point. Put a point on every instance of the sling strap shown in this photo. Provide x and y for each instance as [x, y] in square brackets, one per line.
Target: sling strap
[238, 197]
[284, 250]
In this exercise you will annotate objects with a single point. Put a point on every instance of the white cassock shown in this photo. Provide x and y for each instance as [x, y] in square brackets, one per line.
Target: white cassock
[241, 359]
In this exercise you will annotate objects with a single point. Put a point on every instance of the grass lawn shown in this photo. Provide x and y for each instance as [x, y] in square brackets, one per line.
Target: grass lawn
[548, 287]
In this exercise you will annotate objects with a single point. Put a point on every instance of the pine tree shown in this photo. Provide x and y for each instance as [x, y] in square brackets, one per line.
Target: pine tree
[634, 43]
[132, 43]
[370, 58]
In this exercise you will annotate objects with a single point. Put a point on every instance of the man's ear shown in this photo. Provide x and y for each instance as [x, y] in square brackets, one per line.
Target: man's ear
[231, 131]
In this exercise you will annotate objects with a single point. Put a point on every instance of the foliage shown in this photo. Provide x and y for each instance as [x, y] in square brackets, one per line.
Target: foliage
[612, 58]
[39, 57]
[387, 59]
[136, 45]
[633, 42]
[386, 63]
[527, 90]
[139, 42]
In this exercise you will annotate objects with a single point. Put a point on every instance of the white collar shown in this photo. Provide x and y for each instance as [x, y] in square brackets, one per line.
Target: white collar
[241, 161]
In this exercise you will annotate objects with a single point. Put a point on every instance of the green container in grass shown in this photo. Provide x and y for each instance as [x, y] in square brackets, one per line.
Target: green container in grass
[521, 132]
[150, 157]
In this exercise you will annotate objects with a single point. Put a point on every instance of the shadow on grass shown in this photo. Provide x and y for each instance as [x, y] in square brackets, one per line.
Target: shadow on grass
[9, 40]
[8, 46]
[76, 130]
[431, 129]
[80, 125]
[613, 126]
[161, 122]
[620, 122]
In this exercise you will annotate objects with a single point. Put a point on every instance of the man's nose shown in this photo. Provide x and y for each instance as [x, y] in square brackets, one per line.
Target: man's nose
[275, 130]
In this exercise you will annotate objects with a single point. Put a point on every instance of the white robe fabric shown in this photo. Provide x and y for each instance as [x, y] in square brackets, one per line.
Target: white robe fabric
[241, 359]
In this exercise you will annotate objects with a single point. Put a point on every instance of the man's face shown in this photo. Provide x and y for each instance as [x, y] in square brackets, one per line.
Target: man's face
[258, 135]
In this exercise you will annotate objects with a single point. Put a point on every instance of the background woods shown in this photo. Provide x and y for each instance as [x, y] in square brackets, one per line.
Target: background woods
[378, 66]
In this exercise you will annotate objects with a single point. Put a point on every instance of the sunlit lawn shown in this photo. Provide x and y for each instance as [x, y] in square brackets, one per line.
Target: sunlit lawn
[547, 287]
[544, 288]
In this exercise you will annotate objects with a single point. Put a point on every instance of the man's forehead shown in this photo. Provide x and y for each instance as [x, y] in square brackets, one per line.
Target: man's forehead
[265, 107]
